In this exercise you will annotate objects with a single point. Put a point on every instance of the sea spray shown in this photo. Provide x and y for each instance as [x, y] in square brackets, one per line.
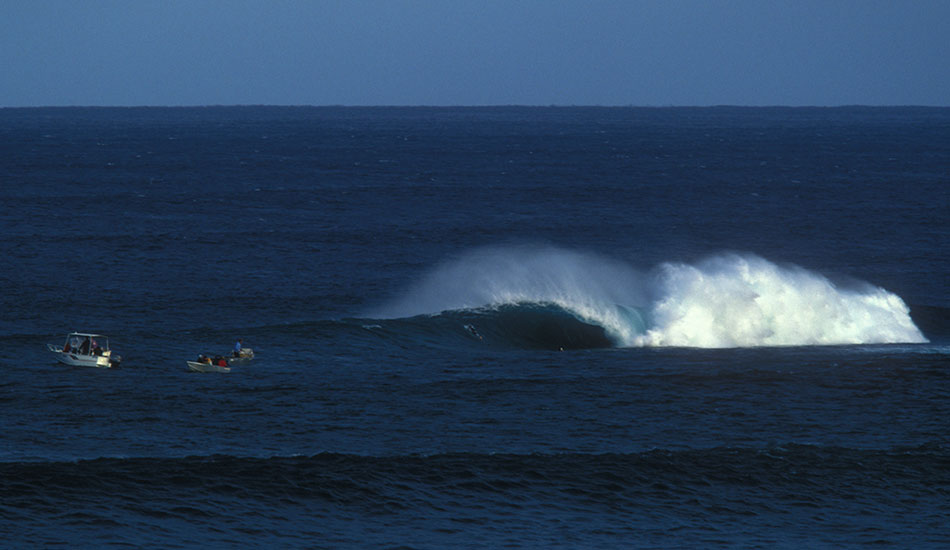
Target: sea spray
[730, 300]
[743, 300]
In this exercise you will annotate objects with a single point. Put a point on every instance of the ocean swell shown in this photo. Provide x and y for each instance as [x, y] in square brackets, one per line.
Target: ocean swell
[730, 300]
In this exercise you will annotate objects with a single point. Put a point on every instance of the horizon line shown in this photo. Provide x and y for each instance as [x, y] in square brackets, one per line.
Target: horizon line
[484, 106]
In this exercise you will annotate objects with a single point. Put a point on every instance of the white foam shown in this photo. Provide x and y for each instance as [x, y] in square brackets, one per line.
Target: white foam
[740, 301]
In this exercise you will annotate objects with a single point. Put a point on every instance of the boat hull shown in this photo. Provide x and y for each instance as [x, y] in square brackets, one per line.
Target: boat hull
[206, 367]
[247, 354]
[103, 361]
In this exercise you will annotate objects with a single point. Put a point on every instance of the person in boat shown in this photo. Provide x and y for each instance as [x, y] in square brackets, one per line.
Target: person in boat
[96, 350]
[67, 347]
[84, 347]
[237, 348]
[221, 362]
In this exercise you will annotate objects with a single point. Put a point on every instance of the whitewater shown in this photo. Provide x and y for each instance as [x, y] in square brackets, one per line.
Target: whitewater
[728, 300]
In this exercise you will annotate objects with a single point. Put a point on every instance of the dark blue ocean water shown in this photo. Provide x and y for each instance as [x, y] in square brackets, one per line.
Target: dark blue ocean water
[477, 327]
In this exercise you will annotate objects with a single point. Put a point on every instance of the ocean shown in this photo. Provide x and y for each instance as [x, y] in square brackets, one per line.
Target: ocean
[511, 327]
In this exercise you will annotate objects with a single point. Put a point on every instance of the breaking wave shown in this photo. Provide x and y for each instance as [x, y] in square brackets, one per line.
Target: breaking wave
[553, 297]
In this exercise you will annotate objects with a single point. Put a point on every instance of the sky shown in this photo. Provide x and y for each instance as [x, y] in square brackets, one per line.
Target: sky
[474, 52]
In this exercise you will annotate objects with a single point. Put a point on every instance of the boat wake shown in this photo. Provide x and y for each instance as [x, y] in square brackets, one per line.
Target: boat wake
[554, 298]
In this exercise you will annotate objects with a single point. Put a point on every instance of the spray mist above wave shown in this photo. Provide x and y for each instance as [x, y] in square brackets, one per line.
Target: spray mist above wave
[730, 300]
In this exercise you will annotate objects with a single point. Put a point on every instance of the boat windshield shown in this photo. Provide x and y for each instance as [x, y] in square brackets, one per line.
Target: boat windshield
[86, 344]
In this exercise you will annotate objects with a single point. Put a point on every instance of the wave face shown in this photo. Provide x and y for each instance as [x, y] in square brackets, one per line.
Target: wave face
[730, 300]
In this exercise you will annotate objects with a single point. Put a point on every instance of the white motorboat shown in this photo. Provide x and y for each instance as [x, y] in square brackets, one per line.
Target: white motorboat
[206, 364]
[245, 356]
[85, 350]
